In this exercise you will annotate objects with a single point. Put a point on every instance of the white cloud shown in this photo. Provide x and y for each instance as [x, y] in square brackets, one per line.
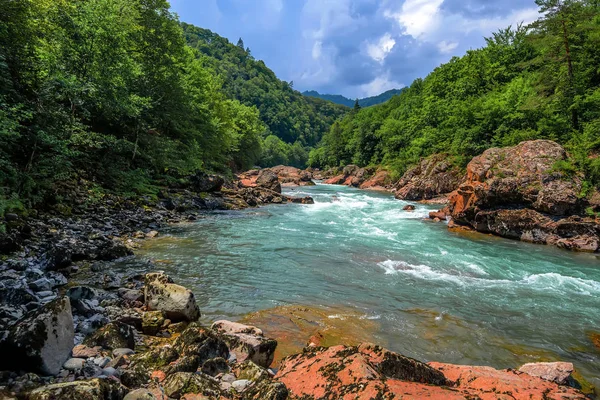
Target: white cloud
[417, 17]
[446, 46]
[379, 85]
[317, 49]
[379, 51]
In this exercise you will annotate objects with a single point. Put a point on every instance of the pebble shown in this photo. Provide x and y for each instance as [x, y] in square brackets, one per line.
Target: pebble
[109, 371]
[229, 378]
[241, 385]
[122, 352]
[101, 361]
[225, 386]
[74, 364]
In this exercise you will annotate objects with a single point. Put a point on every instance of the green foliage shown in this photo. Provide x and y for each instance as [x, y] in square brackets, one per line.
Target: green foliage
[366, 102]
[529, 82]
[109, 91]
[286, 113]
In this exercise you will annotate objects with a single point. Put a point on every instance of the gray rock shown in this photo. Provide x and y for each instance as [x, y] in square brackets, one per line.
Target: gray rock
[41, 285]
[122, 352]
[42, 341]
[228, 378]
[45, 293]
[176, 302]
[246, 342]
[110, 371]
[101, 361]
[240, 385]
[74, 364]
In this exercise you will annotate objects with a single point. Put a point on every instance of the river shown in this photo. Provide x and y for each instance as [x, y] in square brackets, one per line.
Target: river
[436, 295]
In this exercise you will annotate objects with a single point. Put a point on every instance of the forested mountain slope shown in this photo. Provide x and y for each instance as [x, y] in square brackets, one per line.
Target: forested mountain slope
[296, 120]
[528, 82]
[109, 91]
[366, 102]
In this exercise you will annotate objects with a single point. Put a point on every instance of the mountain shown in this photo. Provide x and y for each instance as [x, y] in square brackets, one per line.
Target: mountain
[288, 115]
[366, 102]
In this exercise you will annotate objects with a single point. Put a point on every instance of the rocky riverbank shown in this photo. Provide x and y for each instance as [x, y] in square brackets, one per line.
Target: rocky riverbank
[142, 341]
[528, 192]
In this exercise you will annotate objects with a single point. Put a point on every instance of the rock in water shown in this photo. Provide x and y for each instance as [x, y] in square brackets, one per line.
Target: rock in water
[176, 302]
[246, 342]
[42, 341]
[95, 389]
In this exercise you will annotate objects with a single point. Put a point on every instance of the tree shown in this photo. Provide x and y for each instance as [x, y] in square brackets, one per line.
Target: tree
[356, 105]
[240, 44]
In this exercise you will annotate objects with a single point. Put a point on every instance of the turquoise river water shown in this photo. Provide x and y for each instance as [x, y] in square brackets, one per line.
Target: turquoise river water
[434, 294]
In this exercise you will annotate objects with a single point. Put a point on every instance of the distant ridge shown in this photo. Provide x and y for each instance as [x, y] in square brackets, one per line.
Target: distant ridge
[366, 102]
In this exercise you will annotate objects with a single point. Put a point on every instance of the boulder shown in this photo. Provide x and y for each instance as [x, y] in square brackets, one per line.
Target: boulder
[432, 177]
[197, 341]
[203, 182]
[268, 179]
[362, 372]
[371, 372]
[182, 383]
[557, 372]
[95, 389]
[42, 340]
[246, 342]
[152, 322]
[291, 176]
[486, 382]
[523, 176]
[176, 302]
[114, 335]
[409, 207]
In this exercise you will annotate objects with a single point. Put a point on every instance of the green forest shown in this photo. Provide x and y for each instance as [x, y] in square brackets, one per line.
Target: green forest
[121, 95]
[529, 82]
[365, 102]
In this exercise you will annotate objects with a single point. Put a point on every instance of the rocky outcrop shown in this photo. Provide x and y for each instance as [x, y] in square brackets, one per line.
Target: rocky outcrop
[379, 181]
[176, 302]
[371, 372]
[42, 340]
[203, 182]
[363, 372]
[351, 175]
[291, 176]
[432, 177]
[522, 193]
[269, 180]
[246, 342]
[523, 176]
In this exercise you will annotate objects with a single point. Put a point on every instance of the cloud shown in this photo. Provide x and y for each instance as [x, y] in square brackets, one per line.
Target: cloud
[417, 17]
[379, 51]
[356, 47]
[379, 85]
[446, 46]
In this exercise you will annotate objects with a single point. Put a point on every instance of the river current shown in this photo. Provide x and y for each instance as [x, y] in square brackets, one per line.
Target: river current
[436, 295]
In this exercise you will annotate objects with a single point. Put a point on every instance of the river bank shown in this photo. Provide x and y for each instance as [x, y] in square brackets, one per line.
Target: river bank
[116, 304]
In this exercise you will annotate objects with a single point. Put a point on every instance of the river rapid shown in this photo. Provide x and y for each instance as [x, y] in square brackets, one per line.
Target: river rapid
[433, 294]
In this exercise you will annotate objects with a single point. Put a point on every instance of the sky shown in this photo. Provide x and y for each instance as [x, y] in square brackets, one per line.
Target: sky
[356, 48]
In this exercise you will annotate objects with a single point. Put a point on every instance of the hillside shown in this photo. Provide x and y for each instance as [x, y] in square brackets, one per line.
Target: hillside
[528, 82]
[366, 102]
[299, 122]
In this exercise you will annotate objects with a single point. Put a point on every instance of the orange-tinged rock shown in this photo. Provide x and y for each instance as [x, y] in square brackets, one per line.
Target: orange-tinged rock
[490, 383]
[379, 181]
[158, 375]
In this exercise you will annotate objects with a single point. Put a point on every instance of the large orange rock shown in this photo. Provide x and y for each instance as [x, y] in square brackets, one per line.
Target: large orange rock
[517, 192]
[371, 372]
[489, 383]
[379, 181]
